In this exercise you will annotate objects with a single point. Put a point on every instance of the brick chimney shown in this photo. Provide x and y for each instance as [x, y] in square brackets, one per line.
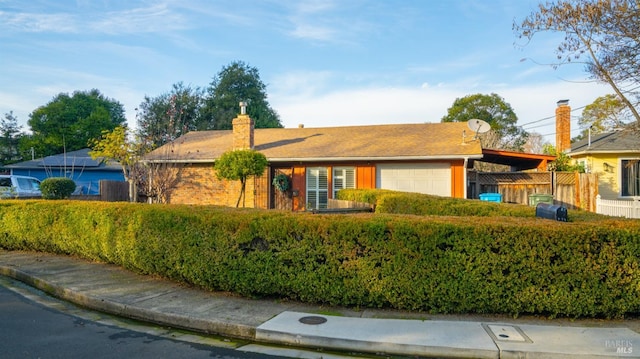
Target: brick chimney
[563, 126]
[243, 130]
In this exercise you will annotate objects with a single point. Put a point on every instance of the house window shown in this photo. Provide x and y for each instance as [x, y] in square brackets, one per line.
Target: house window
[343, 177]
[583, 163]
[317, 187]
[630, 178]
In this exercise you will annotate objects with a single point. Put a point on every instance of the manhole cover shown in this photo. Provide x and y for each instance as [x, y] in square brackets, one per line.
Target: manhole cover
[312, 320]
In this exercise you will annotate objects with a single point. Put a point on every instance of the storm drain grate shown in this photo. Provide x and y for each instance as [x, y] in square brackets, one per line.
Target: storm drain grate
[312, 320]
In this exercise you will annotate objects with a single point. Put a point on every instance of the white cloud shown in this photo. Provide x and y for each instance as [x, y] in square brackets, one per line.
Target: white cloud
[325, 21]
[155, 18]
[34, 22]
[152, 19]
[368, 106]
[300, 83]
[365, 107]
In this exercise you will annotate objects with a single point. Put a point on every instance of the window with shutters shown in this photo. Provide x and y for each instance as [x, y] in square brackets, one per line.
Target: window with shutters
[343, 177]
[317, 187]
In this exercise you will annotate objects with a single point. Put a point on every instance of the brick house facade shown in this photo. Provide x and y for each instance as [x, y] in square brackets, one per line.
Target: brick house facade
[427, 158]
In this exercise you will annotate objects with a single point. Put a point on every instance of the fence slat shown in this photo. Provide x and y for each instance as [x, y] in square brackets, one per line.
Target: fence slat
[114, 191]
[569, 189]
[618, 208]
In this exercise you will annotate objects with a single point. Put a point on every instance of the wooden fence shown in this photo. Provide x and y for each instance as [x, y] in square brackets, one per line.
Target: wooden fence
[570, 189]
[618, 208]
[114, 191]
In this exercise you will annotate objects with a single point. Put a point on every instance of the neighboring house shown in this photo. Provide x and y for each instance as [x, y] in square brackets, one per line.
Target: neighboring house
[614, 156]
[427, 158]
[77, 165]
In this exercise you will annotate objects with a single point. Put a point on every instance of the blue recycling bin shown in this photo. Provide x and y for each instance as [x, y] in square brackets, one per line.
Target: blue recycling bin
[491, 197]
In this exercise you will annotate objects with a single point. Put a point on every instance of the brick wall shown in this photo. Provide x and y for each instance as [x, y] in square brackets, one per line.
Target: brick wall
[197, 184]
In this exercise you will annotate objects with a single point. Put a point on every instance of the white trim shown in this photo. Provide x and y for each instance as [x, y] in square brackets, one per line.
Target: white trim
[330, 159]
[588, 152]
[372, 159]
[464, 177]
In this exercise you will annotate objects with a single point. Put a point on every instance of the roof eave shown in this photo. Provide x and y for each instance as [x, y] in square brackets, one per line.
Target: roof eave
[376, 158]
[330, 159]
[591, 152]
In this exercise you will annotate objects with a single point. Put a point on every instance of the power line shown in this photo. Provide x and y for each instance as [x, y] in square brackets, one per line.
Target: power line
[550, 117]
[574, 120]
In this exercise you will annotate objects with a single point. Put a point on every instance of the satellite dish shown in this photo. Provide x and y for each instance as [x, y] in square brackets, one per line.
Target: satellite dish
[478, 126]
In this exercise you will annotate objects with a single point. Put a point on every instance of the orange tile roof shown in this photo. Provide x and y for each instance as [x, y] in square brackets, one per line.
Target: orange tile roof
[407, 141]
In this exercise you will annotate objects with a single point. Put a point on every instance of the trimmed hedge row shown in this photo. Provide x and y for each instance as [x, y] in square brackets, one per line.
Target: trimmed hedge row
[512, 265]
[386, 201]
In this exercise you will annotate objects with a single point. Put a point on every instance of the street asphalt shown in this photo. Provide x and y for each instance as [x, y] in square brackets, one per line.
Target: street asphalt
[114, 290]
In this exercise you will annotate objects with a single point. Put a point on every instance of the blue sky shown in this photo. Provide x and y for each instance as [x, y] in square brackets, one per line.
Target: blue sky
[325, 63]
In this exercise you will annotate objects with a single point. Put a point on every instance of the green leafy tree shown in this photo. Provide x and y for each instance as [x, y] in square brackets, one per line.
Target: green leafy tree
[235, 83]
[10, 134]
[69, 123]
[164, 118]
[603, 35]
[239, 165]
[117, 146]
[605, 114]
[494, 110]
[563, 162]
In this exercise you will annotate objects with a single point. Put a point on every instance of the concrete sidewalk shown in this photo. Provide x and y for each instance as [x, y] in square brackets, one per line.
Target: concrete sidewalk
[117, 291]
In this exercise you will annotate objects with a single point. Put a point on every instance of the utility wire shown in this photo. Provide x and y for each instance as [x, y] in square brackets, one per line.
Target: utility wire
[548, 118]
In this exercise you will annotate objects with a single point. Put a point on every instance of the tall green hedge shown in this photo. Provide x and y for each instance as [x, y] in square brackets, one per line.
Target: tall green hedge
[440, 264]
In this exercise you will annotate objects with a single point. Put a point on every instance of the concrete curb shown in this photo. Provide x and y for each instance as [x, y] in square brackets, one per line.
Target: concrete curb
[208, 326]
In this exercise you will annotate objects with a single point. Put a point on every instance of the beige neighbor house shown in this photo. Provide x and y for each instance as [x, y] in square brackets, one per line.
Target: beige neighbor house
[427, 158]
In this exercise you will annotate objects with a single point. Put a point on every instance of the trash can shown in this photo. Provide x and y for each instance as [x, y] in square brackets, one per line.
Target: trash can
[491, 197]
[551, 211]
[536, 198]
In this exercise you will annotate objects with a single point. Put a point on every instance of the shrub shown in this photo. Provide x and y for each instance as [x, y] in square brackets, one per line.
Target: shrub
[439, 264]
[57, 188]
[395, 202]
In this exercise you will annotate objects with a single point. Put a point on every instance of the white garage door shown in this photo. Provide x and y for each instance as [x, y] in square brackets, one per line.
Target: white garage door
[429, 178]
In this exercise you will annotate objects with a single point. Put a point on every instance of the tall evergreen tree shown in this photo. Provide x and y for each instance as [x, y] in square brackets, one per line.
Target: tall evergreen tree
[10, 133]
[235, 83]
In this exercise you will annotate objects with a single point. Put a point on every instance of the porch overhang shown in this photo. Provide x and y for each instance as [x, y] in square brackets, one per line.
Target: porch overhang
[518, 161]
